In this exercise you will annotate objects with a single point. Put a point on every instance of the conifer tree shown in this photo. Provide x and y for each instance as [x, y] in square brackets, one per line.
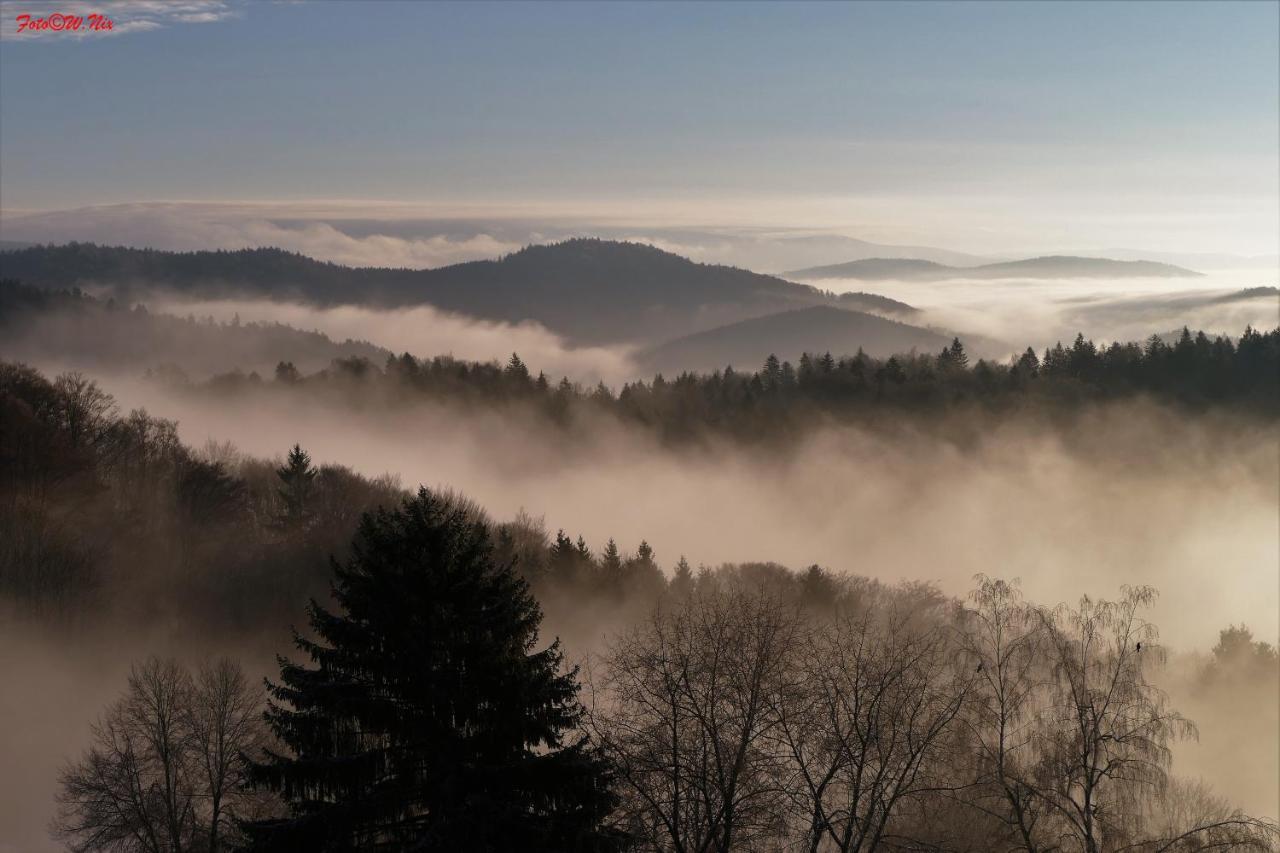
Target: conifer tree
[516, 369]
[643, 575]
[772, 372]
[427, 720]
[611, 563]
[287, 373]
[297, 477]
[682, 582]
[1029, 363]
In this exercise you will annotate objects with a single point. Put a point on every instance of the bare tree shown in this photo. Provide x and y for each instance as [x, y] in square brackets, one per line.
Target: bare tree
[685, 712]
[1187, 817]
[82, 409]
[1107, 731]
[1002, 638]
[866, 722]
[224, 721]
[164, 764]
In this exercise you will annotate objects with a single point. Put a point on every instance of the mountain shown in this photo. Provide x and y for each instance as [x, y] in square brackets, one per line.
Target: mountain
[62, 327]
[880, 269]
[1196, 260]
[874, 303]
[1067, 266]
[787, 334]
[1053, 266]
[1263, 292]
[821, 247]
[588, 290]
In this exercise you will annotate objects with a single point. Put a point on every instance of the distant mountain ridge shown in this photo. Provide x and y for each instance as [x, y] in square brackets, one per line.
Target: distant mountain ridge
[745, 345]
[589, 291]
[1049, 266]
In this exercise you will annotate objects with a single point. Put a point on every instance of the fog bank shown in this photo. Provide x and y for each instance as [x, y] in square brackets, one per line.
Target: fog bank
[423, 331]
[1129, 493]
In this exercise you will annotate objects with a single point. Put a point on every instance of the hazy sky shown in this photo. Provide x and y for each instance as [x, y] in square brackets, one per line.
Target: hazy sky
[984, 127]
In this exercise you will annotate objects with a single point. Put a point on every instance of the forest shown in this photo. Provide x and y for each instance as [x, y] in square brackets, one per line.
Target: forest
[740, 706]
[781, 399]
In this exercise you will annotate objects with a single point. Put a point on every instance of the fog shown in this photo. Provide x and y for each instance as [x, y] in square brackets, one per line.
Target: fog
[1040, 312]
[1123, 494]
[1126, 494]
[761, 235]
[422, 330]
[999, 318]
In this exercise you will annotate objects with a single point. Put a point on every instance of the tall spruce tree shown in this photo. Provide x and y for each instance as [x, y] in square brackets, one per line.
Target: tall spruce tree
[297, 479]
[611, 565]
[427, 721]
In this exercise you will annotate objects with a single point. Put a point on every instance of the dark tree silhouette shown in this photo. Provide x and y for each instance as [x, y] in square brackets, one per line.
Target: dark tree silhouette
[297, 477]
[427, 721]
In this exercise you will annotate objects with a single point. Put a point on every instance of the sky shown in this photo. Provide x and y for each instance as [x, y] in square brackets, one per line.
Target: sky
[981, 127]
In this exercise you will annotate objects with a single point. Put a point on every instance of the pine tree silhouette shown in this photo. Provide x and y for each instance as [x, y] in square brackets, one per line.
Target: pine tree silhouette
[426, 720]
[297, 477]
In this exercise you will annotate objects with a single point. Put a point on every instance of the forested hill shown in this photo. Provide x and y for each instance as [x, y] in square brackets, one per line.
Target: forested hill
[590, 291]
[70, 327]
[1055, 266]
[788, 334]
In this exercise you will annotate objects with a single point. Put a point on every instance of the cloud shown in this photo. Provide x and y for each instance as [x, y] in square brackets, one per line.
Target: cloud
[127, 16]
[424, 331]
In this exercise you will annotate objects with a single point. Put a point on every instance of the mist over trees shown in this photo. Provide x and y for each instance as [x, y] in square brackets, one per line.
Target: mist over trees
[70, 326]
[782, 400]
[739, 707]
[742, 717]
[746, 708]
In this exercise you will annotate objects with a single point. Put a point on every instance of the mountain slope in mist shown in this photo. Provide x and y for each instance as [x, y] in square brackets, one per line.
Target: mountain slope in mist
[874, 303]
[1055, 266]
[788, 334]
[590, 291]
[77, 330]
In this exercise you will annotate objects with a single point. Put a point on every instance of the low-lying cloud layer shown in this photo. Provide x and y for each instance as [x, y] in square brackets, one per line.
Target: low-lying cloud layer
[386, 234]
[424, 331]
[1039, 312]
[1121, 494]
[1129, 494]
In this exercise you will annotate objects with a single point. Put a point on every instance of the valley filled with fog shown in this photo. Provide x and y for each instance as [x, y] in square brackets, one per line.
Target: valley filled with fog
[1080, 498]
[771, 427]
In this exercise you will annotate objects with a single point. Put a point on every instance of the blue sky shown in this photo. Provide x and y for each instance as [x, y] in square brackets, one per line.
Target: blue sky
[1069, 118]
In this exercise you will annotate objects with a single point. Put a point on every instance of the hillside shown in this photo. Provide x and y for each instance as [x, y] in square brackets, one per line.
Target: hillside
[788, 334]
[1055, 266]
[70, 328]
[875, 304]
[590, 291]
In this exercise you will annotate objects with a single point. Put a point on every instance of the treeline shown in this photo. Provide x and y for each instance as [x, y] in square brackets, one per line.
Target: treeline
[752, 709]
[781, 398]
